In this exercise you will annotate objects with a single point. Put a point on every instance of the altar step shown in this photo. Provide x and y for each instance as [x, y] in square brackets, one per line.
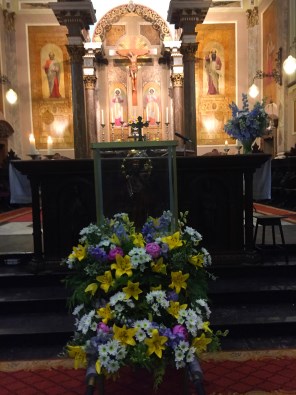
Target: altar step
[254, 302]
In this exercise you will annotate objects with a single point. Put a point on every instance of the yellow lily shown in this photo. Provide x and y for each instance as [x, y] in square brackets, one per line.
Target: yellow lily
[106, 281]
[173, 241]
[175, 307]
[105, 313]
[138, 240]
[125, 335]
[196, 260]
[156, 343]
[92, 288]
[79, 355]
[79, 252]
[122, 266]
[159, 266]
[132, 290]
[206, 328]
[178, 281]
[200, 343]
[114, 239]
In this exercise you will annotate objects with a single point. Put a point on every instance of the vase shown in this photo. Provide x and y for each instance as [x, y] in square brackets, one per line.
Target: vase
[247, 146]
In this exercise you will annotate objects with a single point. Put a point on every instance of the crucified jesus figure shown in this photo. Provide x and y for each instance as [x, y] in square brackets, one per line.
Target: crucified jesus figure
[132, 55]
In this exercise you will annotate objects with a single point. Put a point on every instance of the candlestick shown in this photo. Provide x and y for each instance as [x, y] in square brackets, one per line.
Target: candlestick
[167, 115]
[226, 148]
[49, 145]
[167, 130]
[102, 117]
[103, 131]
[122, 132]
[157, 134]
[33, 150]
[112, 132]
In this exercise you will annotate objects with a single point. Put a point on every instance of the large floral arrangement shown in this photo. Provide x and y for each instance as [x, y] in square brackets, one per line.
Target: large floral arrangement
[247, 124]
[139, 298]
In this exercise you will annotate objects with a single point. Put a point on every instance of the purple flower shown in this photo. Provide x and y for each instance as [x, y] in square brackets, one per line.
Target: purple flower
[153, 249]
[172, 295]
[103, 327]
[180, 331]
[97, 253]
[115, 251]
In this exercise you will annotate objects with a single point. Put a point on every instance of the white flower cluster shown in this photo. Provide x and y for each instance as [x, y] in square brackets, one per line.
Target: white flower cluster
[90, 229]
[191, 320]
[85, 323]
[207, 257]
[144, 329]
[119, 302]
[157, 299]
[139, 258]
[194, 235]
[111, 354]
[183, 354]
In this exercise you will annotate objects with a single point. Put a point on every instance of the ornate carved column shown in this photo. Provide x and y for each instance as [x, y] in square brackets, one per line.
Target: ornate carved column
[76, 16]
[185, 14]
[90, 84]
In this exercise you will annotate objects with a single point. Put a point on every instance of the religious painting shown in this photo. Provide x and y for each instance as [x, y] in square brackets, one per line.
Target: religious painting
[118, 103]
[269, 52]
[52, 71]
[50, 79]
[216, 81]
[151, 103]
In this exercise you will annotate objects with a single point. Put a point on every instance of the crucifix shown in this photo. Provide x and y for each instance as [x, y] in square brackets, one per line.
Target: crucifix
[132, 55]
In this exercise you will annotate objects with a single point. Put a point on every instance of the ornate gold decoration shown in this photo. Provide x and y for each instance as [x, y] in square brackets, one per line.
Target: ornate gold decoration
[47, 117]
[76, 53]
[116, 13]
[89, 81]
[9, 18]
[252, 17]
[177, 80]
[188, 51]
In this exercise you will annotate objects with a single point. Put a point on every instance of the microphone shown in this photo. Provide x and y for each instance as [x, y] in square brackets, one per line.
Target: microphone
[185, 139]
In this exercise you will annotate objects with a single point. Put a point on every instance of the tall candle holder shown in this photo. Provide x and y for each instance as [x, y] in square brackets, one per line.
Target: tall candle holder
[122, 132]
[112, 131]
[157, 133]
[226, 149]
[103, 132]
[167, 130]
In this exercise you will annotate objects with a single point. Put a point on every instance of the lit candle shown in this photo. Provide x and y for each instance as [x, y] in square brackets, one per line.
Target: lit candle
[158, 115]
[112, 115]
[236, 142]
[102, 117]
[167, 115]
[32, 144]
[49, 145]
[226, 144]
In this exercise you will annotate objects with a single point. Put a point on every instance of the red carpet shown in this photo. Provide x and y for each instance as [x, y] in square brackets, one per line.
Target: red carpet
[290, 216]
[225, 373]
[23, 214]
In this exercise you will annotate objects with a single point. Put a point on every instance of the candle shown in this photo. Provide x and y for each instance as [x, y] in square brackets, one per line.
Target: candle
[167, 115]
[102, 117]
[226, 143]
[112, 115]
[147, 114]
[158, 116]
[32, 144]
[49, 145]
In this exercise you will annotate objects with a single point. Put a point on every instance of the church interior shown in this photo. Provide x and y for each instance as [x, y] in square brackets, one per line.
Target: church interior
[109, 107]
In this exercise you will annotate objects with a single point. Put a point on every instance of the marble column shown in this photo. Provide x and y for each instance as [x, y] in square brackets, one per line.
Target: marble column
[90, 84]
[77, 16]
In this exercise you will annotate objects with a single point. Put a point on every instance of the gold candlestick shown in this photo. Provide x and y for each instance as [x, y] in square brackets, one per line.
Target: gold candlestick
[112, 132]
[102, 132]
[157, 133]
[122, 133]
[167, 130]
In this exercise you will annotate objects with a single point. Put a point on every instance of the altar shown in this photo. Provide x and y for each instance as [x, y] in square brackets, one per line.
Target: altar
[216, 190]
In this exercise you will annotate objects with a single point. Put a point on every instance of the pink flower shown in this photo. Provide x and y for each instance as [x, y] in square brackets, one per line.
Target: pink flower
[112, 253]
[153, 249]
[105, 328]
[180, 330]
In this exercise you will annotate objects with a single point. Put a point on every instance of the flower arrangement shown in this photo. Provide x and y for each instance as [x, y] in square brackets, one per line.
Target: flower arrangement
[247, 124]
[139, 298]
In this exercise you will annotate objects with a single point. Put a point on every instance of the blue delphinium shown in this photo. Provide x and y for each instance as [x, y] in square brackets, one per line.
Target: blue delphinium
[246, 124]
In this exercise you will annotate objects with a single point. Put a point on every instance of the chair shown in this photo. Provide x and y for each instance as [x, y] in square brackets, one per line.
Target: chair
[272, 221]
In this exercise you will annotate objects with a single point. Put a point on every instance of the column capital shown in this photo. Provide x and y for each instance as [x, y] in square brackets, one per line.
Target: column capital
[177, 80]
[188, 51]
[76, 53]
[89, 81]
[9, 20]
